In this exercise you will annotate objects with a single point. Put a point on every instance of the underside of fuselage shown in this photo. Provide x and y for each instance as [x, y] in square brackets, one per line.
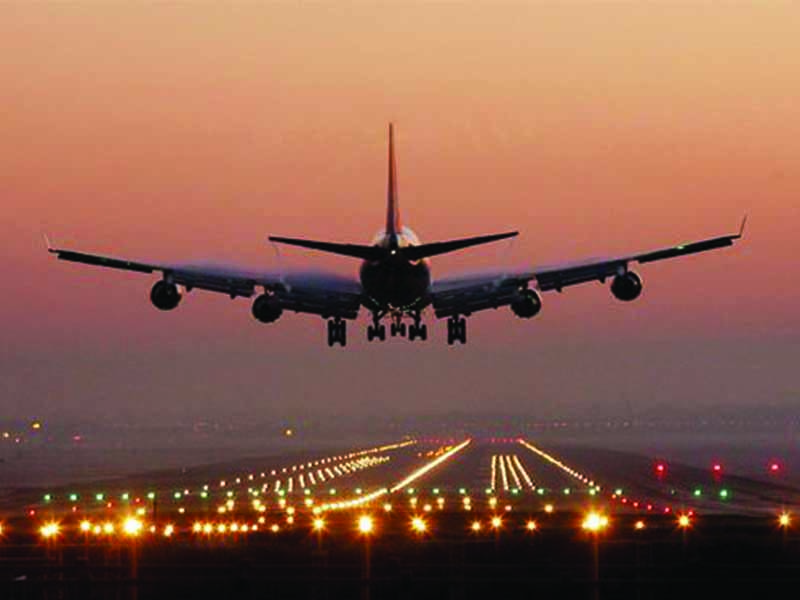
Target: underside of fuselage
[396, 285]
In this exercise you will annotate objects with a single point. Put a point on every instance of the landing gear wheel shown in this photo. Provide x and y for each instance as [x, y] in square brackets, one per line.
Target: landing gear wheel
[401, 330]
[412, 333]
[376, 331]
[456, 330]
[337, 332]
[422, 330]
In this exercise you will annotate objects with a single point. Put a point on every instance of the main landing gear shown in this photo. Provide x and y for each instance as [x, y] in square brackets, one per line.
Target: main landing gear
[417, 329]
[377, 331]
[456, 330]
[337, 332]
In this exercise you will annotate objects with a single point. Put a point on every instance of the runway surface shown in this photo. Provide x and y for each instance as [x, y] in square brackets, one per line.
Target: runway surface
[490, 505]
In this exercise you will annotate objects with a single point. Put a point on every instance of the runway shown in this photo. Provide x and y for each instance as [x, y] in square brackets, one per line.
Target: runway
[459, 514]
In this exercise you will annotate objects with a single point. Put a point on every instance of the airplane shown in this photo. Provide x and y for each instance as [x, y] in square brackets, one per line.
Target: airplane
[394, 281]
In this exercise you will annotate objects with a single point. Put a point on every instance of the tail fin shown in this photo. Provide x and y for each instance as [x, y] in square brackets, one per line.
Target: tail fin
[392, 209]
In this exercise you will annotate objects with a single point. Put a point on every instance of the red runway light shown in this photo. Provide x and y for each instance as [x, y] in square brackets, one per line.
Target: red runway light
[774, 467]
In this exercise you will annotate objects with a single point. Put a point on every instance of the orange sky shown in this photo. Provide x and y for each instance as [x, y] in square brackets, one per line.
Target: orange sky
[193, 131]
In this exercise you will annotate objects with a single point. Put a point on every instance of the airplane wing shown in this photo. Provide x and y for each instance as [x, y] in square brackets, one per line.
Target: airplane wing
[314, 292]
[467, 294]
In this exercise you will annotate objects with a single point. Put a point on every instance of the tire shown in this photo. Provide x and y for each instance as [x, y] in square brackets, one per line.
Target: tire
[423, 332]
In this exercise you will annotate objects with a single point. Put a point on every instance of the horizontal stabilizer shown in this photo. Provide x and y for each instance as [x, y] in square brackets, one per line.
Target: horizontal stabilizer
[355, 250]
[411, 253]
[436, 248]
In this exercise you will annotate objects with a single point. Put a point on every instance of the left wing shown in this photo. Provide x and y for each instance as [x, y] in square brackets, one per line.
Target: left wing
[465, 295]
[314, 292]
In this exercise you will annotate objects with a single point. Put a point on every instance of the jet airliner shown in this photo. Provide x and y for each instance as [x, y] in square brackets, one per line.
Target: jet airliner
[394, 282]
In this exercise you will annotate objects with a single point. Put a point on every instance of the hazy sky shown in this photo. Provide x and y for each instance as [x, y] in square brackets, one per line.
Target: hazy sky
[193, 131]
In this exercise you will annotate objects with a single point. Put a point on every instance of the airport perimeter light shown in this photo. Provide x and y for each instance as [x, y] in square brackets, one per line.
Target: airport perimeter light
[318, 524]
[784, 520]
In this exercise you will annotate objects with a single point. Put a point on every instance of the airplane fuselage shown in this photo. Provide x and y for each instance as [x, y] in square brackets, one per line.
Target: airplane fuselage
[394, 282]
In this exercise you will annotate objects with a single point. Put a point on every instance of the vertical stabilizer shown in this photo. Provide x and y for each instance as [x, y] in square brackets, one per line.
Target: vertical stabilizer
[393, 210]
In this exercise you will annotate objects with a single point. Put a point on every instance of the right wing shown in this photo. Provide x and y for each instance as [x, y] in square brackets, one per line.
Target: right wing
[465, 295]
[314, 292]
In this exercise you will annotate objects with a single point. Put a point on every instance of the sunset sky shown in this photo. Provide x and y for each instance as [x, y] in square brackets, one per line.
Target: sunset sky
[191, 132]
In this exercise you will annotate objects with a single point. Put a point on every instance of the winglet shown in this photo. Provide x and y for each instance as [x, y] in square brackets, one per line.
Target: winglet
[742, 226]
[47, 243]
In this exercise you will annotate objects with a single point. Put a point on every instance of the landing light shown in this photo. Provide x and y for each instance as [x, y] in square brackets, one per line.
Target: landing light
[132, 527]
[365, 524]
[419, 525]
[595, 522]
[50, 530]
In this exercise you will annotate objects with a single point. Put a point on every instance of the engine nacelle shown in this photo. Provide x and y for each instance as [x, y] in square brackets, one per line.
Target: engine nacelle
[527, 305]
[165, 295]
[267, 308]
[626, 287]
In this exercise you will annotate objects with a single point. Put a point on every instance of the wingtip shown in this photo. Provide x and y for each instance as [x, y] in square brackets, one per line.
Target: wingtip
[743, 224]
[47, 243]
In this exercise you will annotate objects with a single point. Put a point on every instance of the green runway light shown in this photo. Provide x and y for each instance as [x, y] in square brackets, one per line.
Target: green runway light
[151, 495]
[177, 495]
[540, 491]
[100, 497]
[125, 496]
[47, 497]
[281, 493]
[436, 491]
[698, 492]
[73, 497]
[515, 491]
[462, 491]
[592, 492]
[618, 491]
[332, 491]
[488, 490]
[566, 491]
[410, 490]
[204, 495]
[307, 492]
[723, 494]
[358, 491]
[230, 494]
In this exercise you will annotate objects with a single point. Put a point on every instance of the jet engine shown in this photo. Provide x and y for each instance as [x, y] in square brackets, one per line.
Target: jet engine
[165, 295]
[626, 287]
[267, 308]
[527, 305]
